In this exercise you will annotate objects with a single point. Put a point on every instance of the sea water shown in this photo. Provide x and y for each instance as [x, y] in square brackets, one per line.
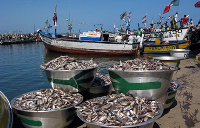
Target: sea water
[20, 67]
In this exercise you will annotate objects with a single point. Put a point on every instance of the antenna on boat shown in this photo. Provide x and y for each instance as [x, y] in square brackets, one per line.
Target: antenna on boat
[47, 26]
[114, 28]
[69, 24]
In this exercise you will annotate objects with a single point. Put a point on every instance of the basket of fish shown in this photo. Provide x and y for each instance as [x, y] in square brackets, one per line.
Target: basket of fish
[169, 60]
[183, 53]
[142, 77]
[171, 93]
[46, 108]
[119, 110]
[101, 86]
[70, 74]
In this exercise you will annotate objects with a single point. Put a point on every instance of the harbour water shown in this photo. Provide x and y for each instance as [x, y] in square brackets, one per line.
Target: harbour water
[20, 67]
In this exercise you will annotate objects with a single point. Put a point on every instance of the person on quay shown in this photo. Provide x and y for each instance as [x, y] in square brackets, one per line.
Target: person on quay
[119, 38]
[139, 38]
[176, 17]
[173, 22]
[184, 19]
[191, 23]
[139, 32]
[198, 26]
[130, 39]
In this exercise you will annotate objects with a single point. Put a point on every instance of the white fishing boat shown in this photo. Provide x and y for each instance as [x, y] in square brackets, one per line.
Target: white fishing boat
[91, 42]
[105, 47]
[169, 35]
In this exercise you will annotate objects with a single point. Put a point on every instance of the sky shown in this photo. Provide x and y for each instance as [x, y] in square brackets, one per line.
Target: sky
[26, 16]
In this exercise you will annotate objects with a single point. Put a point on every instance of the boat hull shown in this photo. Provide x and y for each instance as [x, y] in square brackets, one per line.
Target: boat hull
[86, 47]
[165, 48]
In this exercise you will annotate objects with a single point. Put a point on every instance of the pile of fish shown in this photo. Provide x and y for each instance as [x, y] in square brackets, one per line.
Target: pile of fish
[140, 64]
[118, 110]
[173, 86]
[68, 63]
[47, 99]
[101, 80]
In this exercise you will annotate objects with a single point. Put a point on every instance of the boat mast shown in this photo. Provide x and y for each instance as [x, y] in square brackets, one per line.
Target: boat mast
[69, 25]
[55, 20]
[114, 28]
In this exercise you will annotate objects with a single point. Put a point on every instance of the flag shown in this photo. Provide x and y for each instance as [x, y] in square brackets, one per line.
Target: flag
[175, 2]
[197, 5]
[129, 15]
[123, 15]
[167, 8]
[55, 16]
[144, 19]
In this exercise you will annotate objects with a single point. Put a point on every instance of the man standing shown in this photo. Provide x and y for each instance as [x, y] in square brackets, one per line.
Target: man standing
[184, 19]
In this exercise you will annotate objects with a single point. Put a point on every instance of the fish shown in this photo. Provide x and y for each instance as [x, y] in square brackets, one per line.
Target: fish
[68, 63]
[141, 64]
[118, 110]
[47, 99]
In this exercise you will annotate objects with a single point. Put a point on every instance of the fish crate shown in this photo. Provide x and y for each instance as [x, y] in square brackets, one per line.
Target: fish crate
[152, 84]
[101, 86]
[70, 76]
[171, 94]
[170, 60]
[183, 53]
[142, 77]
[117, 115]
[58, 117]
[198, 57]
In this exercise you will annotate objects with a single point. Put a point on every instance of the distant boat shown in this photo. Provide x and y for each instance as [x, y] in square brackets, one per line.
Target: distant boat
[6, 116]
[5, 42]
[17, 39]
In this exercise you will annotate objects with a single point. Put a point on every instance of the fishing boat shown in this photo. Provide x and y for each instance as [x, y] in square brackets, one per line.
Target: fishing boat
[172, 39]
[91, 42]
[78, 46]
[161, 40]
[165, 48]
[18, 39]
[172, 35]
[6, 115]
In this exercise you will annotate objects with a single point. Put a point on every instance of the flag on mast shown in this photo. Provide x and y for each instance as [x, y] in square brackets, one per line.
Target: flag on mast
[129, 15]
[123, 15]
[167, 8]
[55, 16]
[175, 2]
[144, 19]
[197, 4]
